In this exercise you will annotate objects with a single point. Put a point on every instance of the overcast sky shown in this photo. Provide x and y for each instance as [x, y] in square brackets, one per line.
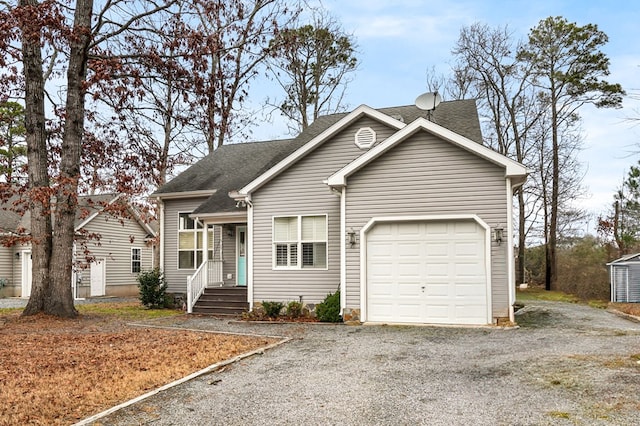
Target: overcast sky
[400, 40]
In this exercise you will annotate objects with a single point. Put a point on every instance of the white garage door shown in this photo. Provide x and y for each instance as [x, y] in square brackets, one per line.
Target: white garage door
[427, 272]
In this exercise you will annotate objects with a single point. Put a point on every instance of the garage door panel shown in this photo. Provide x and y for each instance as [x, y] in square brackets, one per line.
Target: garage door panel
[466, 248]
[408, 289]
[436, 271]
[379, 248]
[465, 270]
[437, 313]
[408, 230]
[434, 290]
[408, 249]
[469, 291]
[427, 272]
[472, 314]
[436, 228]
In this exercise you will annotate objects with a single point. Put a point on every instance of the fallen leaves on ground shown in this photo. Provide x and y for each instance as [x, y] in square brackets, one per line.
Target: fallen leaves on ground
[55, 371]
[627, 308]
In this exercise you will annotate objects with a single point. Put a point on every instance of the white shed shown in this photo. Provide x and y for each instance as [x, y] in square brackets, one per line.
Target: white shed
[625, 278]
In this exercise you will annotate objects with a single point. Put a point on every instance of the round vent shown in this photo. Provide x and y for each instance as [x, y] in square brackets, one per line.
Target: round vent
[365, 138]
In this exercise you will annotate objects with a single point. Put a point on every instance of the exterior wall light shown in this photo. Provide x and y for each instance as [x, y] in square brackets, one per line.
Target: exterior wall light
[352, 237]
[498, 234]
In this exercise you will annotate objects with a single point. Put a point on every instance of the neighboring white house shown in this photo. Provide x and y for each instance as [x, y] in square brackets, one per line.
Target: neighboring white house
[110, 250]
[407, 214]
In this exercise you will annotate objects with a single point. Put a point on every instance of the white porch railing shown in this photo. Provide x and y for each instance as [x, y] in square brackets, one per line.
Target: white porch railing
[208, 272]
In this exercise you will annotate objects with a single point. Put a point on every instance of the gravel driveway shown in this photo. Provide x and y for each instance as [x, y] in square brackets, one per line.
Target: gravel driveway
[567, 364]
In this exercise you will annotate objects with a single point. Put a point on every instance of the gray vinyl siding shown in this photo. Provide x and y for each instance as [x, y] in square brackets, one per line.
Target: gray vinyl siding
[300, 191]
[425, 175]
[117, 238]
[176, 279]
[7, 261]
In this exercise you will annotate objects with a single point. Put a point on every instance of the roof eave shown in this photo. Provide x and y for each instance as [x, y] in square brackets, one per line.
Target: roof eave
[183, 194]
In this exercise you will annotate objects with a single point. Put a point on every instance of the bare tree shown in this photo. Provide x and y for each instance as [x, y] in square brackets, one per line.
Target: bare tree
[486, 66]
[568, 69]
[73, 39]
[228, 45]
[312, 63]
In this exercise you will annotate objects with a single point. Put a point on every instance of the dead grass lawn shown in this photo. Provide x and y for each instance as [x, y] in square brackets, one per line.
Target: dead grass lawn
[627, 308]
[56, 371]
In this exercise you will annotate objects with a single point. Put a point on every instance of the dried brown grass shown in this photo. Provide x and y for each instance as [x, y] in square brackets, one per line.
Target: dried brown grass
[627, 308]
[56, 371]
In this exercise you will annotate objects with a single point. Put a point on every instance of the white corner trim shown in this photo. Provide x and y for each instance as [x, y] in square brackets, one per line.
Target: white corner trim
[511, 276]
[343, 250]
[249, 237]
[424, 218]
[362, 110]
[512, 168]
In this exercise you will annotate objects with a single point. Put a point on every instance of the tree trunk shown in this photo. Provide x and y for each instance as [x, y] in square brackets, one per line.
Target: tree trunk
[60, 300]
[37, 157]
[551, 269]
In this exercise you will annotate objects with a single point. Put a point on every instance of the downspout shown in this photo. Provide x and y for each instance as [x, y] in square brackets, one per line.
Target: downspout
[510, 259]
[249, 237]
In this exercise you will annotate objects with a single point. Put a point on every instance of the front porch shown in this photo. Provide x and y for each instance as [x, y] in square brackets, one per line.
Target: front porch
[208, 294]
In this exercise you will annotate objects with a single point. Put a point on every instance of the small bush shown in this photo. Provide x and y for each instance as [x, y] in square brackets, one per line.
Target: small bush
[272, 309]
[153, 288]
[294, 309]
[329, 309]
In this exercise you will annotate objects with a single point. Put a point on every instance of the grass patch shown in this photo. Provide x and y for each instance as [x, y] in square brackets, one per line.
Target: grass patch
[58, 371]
[6, 311]
[559, 414]
[538, 293]
[130, 311]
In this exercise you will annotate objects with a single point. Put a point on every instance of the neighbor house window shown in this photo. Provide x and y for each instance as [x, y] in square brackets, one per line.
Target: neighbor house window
[136, 260]
[300, 242]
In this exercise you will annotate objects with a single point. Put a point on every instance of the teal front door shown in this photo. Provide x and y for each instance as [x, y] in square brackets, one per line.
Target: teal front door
[241, 250]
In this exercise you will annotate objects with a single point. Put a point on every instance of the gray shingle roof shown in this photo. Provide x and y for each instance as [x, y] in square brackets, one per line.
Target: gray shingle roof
[231, 167]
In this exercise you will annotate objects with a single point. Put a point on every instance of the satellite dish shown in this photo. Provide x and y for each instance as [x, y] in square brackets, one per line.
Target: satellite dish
[428, 101]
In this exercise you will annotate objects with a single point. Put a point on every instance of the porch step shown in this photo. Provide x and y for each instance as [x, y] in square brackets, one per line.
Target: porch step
[222, 301]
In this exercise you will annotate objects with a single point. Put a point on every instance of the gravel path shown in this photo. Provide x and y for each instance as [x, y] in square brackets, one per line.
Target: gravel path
[566, 365]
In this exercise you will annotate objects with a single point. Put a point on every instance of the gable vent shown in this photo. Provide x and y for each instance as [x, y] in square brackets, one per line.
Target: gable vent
[365, 138]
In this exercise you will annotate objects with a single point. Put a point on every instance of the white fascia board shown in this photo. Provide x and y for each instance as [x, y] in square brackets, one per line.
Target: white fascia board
[184, 194]
[362, 110]
[513, 169]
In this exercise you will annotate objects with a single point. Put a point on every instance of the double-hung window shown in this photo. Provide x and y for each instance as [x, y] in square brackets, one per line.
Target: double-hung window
[300, 242]
[136, 260]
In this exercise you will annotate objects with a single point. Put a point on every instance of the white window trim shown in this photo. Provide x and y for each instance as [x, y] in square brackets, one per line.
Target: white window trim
[299, 242]
[195, 250]
[139, 260]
